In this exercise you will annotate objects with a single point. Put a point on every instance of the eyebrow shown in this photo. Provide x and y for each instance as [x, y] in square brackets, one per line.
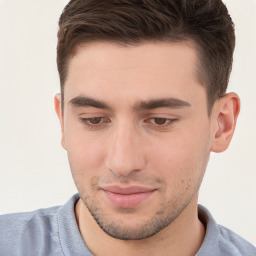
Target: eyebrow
[172, 103]
[81, 101]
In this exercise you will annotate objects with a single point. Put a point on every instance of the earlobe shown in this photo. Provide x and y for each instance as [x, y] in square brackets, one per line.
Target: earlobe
[225, 116]
[58, 110]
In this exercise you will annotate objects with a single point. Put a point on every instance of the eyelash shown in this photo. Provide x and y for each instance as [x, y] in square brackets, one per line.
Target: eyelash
[86, 121]
[167, 122]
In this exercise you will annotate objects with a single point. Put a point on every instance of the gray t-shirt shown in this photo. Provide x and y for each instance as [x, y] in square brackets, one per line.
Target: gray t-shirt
[54, 232]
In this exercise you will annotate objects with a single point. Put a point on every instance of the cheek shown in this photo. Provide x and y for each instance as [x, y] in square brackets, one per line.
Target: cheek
[85, 152]
[182, 156]
[181, 165]
[85, 159]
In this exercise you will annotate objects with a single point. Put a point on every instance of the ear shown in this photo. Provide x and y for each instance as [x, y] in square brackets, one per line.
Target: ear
[225, 113]
[58, 110]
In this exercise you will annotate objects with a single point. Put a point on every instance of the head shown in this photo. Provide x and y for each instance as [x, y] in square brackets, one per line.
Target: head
[142, 105]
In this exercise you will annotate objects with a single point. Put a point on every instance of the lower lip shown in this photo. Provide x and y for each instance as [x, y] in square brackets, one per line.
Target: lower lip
[127, 201]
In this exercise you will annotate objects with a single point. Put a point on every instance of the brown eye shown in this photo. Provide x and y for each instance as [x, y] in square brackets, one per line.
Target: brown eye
[160, 121]
[95, 120]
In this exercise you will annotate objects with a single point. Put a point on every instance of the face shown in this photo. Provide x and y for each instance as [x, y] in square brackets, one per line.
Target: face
[137, 133]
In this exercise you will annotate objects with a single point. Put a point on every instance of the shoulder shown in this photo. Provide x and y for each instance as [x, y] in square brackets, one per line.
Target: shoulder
[27, 216]
[52, 232]
[220, 240]
[21, 221]
[232, 241]
[21, 233]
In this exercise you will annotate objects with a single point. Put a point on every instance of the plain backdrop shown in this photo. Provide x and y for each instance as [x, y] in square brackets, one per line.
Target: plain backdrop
[34, 171]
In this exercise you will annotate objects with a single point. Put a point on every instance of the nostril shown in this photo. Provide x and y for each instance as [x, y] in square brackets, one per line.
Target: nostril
[115, 174]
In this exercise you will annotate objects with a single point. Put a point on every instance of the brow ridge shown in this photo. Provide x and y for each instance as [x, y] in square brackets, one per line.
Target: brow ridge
[81, 101]
[173, 103]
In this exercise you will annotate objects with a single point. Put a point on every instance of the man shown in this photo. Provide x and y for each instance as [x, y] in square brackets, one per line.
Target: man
[143, 103]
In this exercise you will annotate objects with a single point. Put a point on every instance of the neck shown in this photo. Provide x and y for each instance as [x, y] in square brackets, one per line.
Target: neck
[183, 237]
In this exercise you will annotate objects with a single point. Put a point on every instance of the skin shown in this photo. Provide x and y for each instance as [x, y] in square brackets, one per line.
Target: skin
[117, 133]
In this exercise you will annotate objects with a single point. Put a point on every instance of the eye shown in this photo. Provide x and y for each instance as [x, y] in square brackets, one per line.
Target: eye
[159, 120]
[160, 123]
[95, 121]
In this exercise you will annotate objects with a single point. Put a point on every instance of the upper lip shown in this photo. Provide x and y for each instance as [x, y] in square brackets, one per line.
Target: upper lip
[127, 190]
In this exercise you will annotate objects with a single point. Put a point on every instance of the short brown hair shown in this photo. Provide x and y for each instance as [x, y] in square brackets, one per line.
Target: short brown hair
[205, 22]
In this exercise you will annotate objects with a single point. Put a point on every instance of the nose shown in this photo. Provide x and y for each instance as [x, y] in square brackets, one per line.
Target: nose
[125, 154]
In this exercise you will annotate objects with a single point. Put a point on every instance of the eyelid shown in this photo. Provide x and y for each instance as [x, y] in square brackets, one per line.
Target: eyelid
[86, 121]
[92, 114]
[170, 123]
[164, 118]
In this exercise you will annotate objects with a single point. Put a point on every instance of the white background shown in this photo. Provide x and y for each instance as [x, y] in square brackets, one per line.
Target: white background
[34, 170]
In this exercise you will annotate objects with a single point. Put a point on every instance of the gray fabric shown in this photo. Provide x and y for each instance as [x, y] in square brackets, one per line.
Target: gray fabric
[220, 241]
[54, 232]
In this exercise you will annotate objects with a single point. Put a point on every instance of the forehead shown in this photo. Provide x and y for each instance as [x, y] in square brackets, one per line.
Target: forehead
[138, 72]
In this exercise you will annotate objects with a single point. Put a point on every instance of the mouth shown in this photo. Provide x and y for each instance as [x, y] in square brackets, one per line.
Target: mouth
[127, 197]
